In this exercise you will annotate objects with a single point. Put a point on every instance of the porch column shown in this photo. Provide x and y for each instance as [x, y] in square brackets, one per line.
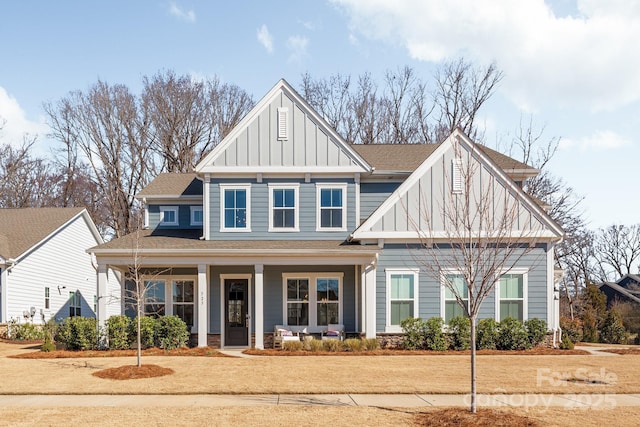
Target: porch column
[259, 311]
[102, 299]
[3, 295]
[370, 300]
[203, 305]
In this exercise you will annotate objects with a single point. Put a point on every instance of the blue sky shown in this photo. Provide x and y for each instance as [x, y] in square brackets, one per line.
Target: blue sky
[572, 64]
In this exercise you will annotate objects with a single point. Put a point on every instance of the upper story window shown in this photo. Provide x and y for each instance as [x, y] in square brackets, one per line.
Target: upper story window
[450, 307]
[75, 304]
[196, 215]
[235, 207]
[332, 207]
[511, 292]
[283, 205]
[402, 297]
[168, 215]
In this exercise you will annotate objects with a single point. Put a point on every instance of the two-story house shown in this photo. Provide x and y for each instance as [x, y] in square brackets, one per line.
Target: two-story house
[284, 222]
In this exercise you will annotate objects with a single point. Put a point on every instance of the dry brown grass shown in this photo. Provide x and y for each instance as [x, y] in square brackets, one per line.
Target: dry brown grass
[133, 372]
[67, 354]
[634, 350]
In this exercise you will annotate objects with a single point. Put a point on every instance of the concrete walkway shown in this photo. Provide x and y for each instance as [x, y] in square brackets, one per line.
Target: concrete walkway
[596, 351]
[601, 401]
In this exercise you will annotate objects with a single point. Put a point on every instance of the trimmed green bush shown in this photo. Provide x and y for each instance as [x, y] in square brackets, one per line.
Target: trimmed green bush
[147, 331]
[171, 333]
[536, 330]
[571, 327]
[26, 331]
[512, 335]
[414, 333]
[566, 343]
[118, 332]
[613, 331]
[459, 332]
[78, 333]
[487, 334]
[434, 337]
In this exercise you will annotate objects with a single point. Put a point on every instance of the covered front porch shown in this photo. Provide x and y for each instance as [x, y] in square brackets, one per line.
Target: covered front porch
[231, 294]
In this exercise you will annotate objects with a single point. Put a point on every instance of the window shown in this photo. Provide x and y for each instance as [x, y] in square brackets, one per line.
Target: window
[283, 204]
[451, 307]
[168, 215]
[154, 300]
[196, 215]
[297, 301]
[46, 298]
[402, 297]
[312, 299]
[183, 298]
[332, 207]
[75, 304]
[456, 176]
[235, 208]
[511, 290]
[283, 123]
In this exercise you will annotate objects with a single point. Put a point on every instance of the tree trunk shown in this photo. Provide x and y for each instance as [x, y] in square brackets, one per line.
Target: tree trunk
[139, 344]
[472, 320]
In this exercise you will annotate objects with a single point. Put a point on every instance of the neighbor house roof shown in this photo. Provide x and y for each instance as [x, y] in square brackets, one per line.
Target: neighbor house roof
[22, 229]
[173, 185]
[622, 290]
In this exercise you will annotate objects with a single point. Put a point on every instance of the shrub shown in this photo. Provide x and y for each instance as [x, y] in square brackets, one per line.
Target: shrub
[589, 326]
[118, 332]
[536, 330]
[353, 344]
[414, 333]
[512, 335]
[78, 333]
[487, 334]
[314, 345]
[27, 331]
[434, 337]
[566, 343]
[332, 345]
[460, 333]
[370, 344]
[171, 332]
[292, 345]
[571, 327]
[613, 331]
[48, 346]
[147, 331]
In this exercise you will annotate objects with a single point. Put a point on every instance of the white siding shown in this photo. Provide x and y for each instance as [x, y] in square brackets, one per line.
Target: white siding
[60, 261]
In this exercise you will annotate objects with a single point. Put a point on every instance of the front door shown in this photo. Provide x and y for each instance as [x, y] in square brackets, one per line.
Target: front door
[236, 331]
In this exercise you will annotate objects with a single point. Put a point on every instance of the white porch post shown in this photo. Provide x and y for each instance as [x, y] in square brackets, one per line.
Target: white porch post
[3, 295]
[203, 305]
[102, 298]
[259, 311]
[370, 300]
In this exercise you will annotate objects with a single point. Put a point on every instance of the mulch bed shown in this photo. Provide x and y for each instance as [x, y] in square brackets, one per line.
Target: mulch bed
[459, 417]
[133, 372]
[538, 351]
[66, 354]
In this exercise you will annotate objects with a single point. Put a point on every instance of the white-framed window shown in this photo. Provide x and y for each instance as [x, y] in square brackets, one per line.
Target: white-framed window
[283, 207]
[154, 297]
[402, 296]
[183, 297]
[47, 298]
[511, 295]
[235, 208]
[196, 215]
[312, 299]
[171, 296]
[331, 200]
[75, 304]
[168, 215]
[449, 304]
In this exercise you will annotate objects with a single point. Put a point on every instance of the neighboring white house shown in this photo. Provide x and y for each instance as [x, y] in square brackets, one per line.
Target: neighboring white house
[45, 271]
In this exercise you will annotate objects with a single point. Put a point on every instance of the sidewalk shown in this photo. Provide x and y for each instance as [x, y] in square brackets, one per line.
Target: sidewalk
[602, 401]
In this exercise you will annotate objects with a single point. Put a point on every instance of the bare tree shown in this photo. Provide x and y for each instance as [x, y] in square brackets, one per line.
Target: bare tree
[473, 234]
[618, 250]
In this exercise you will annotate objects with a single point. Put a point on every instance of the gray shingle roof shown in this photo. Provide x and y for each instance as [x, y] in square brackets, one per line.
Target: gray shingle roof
[21, 229]
[173, 184]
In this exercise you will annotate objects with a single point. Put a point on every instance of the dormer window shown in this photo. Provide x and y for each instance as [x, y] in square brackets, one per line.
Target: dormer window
[168, 215]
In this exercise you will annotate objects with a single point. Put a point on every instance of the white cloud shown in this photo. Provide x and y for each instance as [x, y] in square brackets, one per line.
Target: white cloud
[183, 15]
[265, 38]
[587, 59]
[14, 123]
[298, 47]
[599, 141]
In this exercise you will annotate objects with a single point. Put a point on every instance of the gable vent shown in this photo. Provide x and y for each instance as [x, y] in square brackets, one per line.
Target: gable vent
[456, 176]
[283, 123]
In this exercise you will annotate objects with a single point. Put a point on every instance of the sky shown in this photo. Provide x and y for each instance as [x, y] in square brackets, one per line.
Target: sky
[571, 66]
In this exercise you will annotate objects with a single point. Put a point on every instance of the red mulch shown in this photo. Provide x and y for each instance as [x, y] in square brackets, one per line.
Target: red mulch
[133, 372]
[538, 351]
[459, 417]
[66, 354]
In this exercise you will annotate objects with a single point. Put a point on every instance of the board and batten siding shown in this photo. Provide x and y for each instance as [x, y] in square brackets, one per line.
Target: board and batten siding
[400, 256]
[307, 143]
[184, 216]
[260, 211]
[372, 194]
[60, 261]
